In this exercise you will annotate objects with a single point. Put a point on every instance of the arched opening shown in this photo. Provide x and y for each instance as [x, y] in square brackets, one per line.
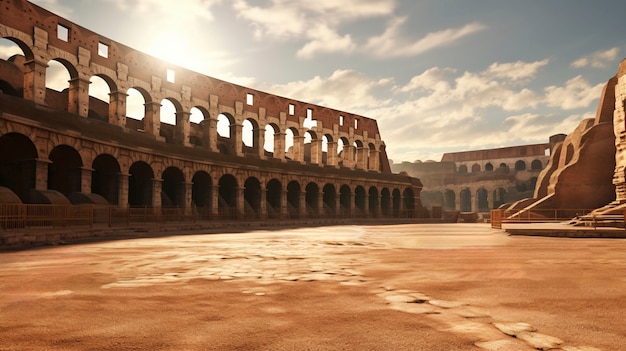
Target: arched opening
[499, 197]
[309, 153]
[223, 125]
[226, 130]
[536, 165]
[99, 98]
[105, 178]
[18, 157]
[293, 199]
[345, 201]
[463, 169]
[140, 185]
[489, 167]
[373, 201]
[250, 136]
[385, 202]
[396, 201]
[274, 196]
[58, 76]
[201, 191]
[372, 156]
[449, 200]
[342, 151]
[227, 197]
[173, 188]
[290, 143]
[65, 171]
[483, 200]
[330, 200]
[252, 198]
[520, 165]
[198, 127]
[271, 130]
[13, 59]
[409, 202]
[466, 200]
[312, 199]
[135, 109]
[325, 140]
[475, 168]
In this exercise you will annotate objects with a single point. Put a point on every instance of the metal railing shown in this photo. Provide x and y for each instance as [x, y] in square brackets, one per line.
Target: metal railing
[535, 215]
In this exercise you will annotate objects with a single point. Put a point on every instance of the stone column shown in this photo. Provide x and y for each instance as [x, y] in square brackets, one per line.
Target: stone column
[331, 154]
[187, 197]
[212, 134]
[85, 179]
[259, 136]
[320, 204]
[181, 135]
[240, 202]
[235, 135]
[157, 185]
[374, 161]
[117, 108]
[316, 152]
[35, 81]
[122, 190]
[215, 201]
[152, 118]
[302, 210]
[360, 158]
[279, 146]
[263, 205]
[41, 173]
[337, 205]
[78, 97]
[284, 204]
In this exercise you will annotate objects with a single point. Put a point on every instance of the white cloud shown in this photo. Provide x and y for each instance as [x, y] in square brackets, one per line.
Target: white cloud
[599, 59]
[181, 10]
[392, 44]
[577, 93]
[516, 71]
[324, 40]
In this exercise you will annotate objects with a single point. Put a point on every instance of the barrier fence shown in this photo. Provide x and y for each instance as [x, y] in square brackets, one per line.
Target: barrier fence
[536, 215]
[17, 216]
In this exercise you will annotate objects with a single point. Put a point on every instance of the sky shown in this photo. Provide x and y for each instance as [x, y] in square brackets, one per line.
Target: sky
[438, 75]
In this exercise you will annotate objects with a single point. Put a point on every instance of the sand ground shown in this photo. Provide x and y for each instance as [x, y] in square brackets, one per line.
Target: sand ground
[404, 287]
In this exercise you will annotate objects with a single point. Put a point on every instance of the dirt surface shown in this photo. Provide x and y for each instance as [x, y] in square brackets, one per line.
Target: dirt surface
[405, 287]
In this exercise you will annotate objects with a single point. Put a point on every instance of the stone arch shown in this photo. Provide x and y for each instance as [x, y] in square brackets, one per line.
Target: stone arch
[105, 177]
[343, 154]
[252, 197]
[250, 136]
[536, 165]
[59, 74]
[373, 201]
[140, 183]
[199, 122]
[466, 200]
[462, 169]
[226, 132]
[312, 199]
[489, 167]
[173, 188]
[520, 165]
[293, 198]
[201, 193]
[100, 88]
[13, 78]
[449, 199]
[310, 140]
[482, 198]
[373, 158]
[18, 156]
[273, 196]
[330, 199]
[227, 203]
[475, 168]
[291, 143]
[65, 170]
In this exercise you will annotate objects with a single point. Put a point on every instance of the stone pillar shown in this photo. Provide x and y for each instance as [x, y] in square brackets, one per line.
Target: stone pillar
[348, 156]
[259, 137]
[181, 134]
[474, 201]
[279, 145]
[457, 201]
[41, 173]
[360, 161]
[212, 134]
[35, 81]
[235, 135]
[320, 204]
[215, 201]
[152, 118]
[85, 179]
[117, 108]
[337, 205]
[187, 197]
[122, 190]
[157, 186]
[316, 152]
[490, 200]
[298, 148]
[240, 202]
[78, 97]
[331, 154]
[284, 204]
[302, 210]
[374, 161]
[263, 205]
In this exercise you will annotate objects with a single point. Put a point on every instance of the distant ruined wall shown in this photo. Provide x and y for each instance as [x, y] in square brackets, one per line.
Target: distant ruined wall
[580, 172]
[619, 118]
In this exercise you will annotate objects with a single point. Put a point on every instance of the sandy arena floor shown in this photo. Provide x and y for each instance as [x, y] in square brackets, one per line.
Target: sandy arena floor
[407, 287]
